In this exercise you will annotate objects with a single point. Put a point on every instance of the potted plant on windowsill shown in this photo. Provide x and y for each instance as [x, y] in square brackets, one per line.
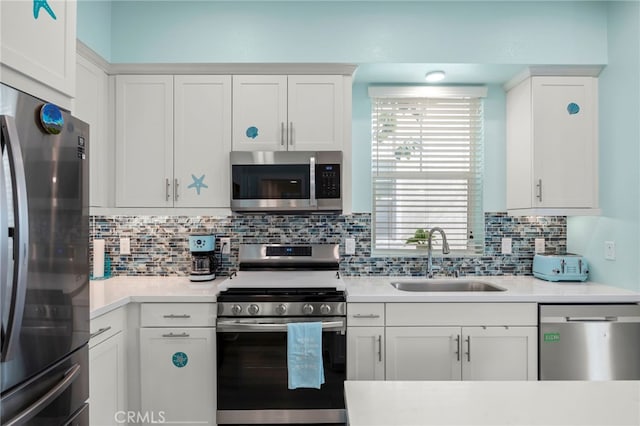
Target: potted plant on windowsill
[420, 239]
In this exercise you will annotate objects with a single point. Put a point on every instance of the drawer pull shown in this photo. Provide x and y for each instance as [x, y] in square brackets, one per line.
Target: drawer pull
[366, 316]
[177, 316]
[176, 335]
[99, 332]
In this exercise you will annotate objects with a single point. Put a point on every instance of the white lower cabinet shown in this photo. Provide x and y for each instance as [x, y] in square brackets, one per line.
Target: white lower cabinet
[365, 341]
[365, 353]
[107, 370]
[461, 353]
[178, 364]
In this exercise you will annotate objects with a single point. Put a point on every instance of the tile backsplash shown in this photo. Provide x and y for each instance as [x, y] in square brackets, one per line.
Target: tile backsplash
[159, 244]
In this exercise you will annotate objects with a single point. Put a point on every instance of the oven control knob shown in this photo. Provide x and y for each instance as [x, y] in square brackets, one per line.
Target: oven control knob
[307, 309]
[281, 309]
[236, 309]
[253, 309]
[325, 309]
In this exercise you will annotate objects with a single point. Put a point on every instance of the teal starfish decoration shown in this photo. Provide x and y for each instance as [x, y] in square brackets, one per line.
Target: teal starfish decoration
[42, 4]
[198, 183]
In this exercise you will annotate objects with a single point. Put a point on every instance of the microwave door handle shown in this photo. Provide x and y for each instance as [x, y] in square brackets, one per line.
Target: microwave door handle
[312, 182]
[20, 236]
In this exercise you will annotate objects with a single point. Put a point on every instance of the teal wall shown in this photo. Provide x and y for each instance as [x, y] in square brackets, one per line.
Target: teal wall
[94, 26]
[619, 139]
[343, 31]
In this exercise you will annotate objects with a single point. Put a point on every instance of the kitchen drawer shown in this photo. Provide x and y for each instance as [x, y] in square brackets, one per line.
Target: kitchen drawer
[178, 315]
[105, 326]
[365, 314]
[461, 314]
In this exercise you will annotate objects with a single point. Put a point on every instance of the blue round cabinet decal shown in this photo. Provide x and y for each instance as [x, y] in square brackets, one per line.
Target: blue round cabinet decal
[51, 119]
[573, 108]
[252, 132]
[180, 359]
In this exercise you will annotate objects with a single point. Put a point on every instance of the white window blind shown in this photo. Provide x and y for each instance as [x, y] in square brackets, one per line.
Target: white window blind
[427, 171]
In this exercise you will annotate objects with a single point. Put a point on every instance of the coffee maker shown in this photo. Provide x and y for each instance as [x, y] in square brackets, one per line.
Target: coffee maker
[203, 260]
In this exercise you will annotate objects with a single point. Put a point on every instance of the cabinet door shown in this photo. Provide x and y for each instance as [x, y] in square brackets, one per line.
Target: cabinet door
[423, 353]
[144, 141]
[202, 140]
[177, 371]
[39, 42]
[107, 381]
[315, 112]
[365, 353]
[90, 105]
[499, 353]
[565, 142]
[260, 113]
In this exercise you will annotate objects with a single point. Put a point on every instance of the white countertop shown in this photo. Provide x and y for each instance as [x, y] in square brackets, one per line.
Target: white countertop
[118, 291]
[397, 403]
[114, 292]
[518, 289]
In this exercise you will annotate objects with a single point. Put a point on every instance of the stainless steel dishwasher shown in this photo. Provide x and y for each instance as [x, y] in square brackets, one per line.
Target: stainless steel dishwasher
[589, 342]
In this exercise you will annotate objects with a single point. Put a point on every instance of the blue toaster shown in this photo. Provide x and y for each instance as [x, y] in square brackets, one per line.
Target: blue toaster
[560, 267]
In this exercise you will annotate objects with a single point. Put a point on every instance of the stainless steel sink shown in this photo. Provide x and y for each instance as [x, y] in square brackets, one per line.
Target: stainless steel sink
[445, 285]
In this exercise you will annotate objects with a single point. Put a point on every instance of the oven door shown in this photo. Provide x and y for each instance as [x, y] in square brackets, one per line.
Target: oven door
[253, 379]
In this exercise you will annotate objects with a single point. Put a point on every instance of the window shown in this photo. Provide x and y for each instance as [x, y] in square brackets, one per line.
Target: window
[427, 167]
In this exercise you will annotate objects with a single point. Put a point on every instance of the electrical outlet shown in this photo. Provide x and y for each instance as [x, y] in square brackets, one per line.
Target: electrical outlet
[125, 246]
[539, 245]
[350, 246]
[610, 250]
[506, 245]
[225, 245]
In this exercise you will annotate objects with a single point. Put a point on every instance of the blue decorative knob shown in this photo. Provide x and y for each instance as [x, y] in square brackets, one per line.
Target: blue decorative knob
[573, 108]
[252, 132]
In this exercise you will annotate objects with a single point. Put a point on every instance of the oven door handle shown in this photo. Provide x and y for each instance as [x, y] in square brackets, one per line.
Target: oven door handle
[237, 326]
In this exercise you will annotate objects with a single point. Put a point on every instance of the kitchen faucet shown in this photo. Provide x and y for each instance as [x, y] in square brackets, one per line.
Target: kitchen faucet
[445, 248]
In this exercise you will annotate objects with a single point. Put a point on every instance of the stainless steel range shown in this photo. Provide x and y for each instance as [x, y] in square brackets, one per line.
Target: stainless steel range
[277, 285]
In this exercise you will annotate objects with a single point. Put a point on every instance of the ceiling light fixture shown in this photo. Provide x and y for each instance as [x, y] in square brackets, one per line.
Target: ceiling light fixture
[434, 76]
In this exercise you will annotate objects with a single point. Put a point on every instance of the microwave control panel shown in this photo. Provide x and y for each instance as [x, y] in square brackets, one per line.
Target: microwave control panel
[327, 181]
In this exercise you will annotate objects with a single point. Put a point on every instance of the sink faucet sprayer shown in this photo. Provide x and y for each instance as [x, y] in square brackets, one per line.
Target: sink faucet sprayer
[445, 248]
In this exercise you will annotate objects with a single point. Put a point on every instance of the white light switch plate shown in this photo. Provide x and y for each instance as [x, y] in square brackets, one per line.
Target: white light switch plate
[350, 246]
[225, 245]
[539, 245]
[125, 246]
[506, 245]
[610, 250]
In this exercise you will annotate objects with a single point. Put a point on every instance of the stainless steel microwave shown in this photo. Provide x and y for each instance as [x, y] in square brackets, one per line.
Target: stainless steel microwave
[286, 181]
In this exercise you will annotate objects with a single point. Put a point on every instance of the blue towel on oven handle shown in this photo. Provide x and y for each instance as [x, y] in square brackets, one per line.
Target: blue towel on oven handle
[304, 355]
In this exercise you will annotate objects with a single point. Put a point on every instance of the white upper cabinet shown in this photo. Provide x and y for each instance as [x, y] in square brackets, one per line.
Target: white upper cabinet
[202, 140]
[295, 112]
[144, 141]
[39, 48]
[173, 140]
[90, 105]
[552, 146]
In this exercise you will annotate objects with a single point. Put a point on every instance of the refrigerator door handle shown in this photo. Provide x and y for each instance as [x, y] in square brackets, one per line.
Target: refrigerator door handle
[20, 237]
[42, 402]
[4, 237]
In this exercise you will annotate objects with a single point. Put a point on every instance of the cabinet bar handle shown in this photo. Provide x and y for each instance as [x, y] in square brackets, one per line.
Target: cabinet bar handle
[379, 348]
[175, 189]
[167, 186]
[175, 335]
[99, 332]
[539, 186]
[468, 353]
[282, 133]
[290, 139]
[458, 347]
[366, 316]
[177, 316]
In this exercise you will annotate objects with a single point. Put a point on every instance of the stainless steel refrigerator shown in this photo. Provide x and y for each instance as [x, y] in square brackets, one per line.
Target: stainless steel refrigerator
[44, 263]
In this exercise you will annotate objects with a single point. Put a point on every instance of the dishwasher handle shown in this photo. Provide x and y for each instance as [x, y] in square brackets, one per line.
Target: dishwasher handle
[592, 319]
